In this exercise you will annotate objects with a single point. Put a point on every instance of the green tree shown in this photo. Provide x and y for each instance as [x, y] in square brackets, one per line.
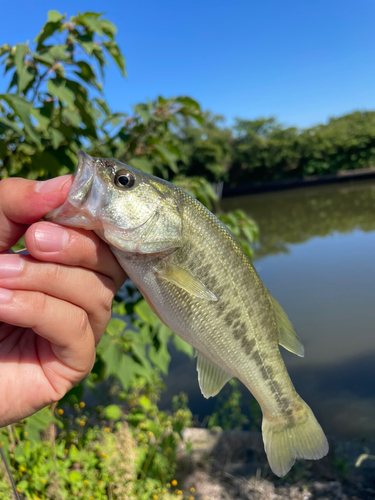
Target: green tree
[264, 150]
[55, 105]
[207, 148]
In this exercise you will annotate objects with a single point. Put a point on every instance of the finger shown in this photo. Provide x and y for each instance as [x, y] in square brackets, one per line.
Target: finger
[23, 202]
[74, 247]
[64, 325]
[90, 291]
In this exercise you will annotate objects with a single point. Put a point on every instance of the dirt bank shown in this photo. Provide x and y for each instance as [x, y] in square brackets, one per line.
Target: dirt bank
[229, 465]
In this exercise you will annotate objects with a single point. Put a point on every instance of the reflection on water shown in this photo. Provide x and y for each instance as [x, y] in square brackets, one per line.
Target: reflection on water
[290, 217]
[317, 257]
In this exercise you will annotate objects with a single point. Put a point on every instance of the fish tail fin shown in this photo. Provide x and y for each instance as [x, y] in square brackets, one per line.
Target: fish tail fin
[296, 438]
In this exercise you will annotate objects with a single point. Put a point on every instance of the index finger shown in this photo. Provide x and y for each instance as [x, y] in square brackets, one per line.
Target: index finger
[23, 202]
[77, 248]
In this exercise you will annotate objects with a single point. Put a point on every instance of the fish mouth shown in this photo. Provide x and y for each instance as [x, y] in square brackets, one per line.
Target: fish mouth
[72, 212]
[83, 179]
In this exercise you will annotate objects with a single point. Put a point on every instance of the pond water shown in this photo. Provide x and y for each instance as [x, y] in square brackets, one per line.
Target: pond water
[316, 255]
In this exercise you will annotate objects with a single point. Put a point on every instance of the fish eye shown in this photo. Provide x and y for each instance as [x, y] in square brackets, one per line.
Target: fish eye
[124, 179]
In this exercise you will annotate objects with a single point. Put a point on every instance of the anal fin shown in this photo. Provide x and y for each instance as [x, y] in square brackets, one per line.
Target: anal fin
[211, 378]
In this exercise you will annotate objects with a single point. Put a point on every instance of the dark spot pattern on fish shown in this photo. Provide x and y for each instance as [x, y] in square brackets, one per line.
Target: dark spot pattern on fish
[201, 270]
[239, 331]
[275, 387]
[270, 372]
[287, 411]
[262, 368]
[211, 282]
[221, 305]
[285, 404]
[231, 316]
[248, 345]
[257, 358]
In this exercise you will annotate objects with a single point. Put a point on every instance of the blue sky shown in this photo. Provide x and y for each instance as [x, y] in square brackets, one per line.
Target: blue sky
[298, 60]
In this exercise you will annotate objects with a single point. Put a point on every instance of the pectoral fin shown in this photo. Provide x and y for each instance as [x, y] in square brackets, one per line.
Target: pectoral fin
[287, 336]
[211, 378]
[185, 280]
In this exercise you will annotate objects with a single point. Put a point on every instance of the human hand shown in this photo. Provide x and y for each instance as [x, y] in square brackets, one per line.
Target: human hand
[54, 303]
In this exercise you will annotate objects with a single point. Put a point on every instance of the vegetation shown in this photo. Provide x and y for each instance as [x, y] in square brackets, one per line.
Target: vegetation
[264, 150]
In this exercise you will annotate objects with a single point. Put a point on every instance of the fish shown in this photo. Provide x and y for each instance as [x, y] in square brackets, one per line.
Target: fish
[201, 284]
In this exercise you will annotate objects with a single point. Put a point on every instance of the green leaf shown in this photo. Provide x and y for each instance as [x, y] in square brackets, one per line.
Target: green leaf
[144, 312]
[143, 111]
[112, 412]
[188, 101]
[19, 56]
[160, 357]
[108, 28]
[87, 73]
[57, 138]
[52, 25]
[164, 334]
[103, 105]
[138, 349]
[11, 124]
[38, 422]
[54, 16]
[88, 47]
[141, 163]
[116, 327]
[58, 88]
[43, 121]
[4, 49]
[25, 74]
[93, 24]
[46, 59]
[183, 346]
[112, 356]
[129, 369]
[22, 109]
[59, 52]
[145, 402]
[116, 54]
[73, 117]
[75, 476]
[167, 156]
[23, 486]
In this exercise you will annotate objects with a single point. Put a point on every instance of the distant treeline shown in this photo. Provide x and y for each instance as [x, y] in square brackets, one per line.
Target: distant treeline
[263, 150]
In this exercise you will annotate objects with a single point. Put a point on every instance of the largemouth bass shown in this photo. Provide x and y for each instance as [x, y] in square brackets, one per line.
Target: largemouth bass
[198, 280]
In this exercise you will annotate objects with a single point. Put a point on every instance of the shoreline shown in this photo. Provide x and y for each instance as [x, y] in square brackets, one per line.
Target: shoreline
[308, 181]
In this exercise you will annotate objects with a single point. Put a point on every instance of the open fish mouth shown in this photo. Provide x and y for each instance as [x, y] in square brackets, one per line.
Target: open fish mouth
[72, 212]
[83, 179]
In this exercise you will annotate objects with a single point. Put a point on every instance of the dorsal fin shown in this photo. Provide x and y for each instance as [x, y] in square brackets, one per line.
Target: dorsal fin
[287, 336]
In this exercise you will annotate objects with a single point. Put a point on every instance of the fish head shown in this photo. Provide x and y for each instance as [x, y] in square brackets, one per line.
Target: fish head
[131, 210]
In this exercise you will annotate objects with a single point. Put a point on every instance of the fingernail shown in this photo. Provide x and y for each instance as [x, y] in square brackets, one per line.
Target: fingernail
[5, 295]
[52, 184]
[10, 266]
[50, 237]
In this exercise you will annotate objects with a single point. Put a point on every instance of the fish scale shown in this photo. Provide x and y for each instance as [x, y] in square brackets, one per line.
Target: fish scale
[201, 284]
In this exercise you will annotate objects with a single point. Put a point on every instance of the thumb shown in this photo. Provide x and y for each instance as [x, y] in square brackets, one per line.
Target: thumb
[23, 202]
